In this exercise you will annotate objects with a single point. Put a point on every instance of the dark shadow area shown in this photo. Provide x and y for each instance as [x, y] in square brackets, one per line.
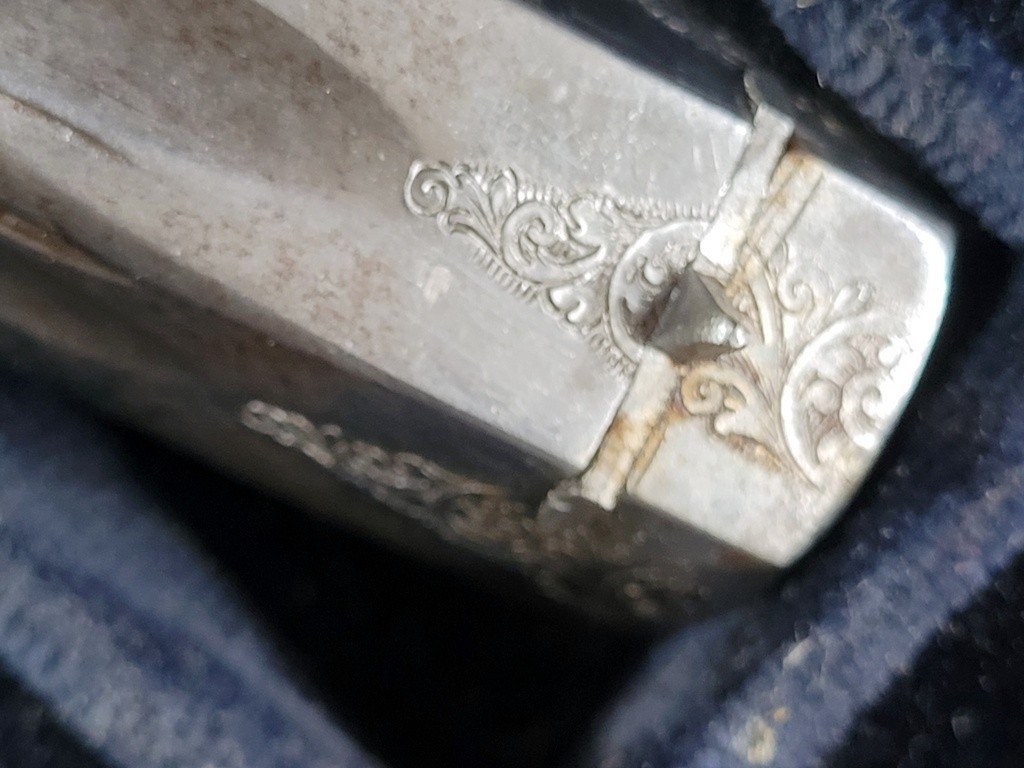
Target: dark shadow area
[1002, 21]
[425, 667]
[30, 735]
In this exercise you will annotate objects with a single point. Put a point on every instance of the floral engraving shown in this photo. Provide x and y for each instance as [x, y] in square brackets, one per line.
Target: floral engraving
[595, 262]
[453, 504]
[806, 394]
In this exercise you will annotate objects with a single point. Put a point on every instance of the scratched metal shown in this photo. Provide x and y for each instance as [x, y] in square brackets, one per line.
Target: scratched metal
[422, 248]
[262, 152]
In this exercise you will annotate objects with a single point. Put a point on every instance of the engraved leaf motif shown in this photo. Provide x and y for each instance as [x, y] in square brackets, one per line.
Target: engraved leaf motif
[576, 254]
[737, 410]
[503, 195]
[805, 394]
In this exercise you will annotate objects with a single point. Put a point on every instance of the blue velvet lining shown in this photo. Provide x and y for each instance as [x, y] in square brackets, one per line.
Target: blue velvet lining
[114, 621]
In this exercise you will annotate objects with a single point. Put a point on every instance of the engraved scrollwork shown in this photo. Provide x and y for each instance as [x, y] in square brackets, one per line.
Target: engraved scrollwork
[596, 262]
[806, 394]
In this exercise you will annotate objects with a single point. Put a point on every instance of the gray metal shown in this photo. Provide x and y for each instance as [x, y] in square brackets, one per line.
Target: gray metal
[549, 308]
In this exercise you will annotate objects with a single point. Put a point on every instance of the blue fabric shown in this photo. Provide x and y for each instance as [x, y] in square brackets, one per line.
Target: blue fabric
[114, 622]
[936, 76]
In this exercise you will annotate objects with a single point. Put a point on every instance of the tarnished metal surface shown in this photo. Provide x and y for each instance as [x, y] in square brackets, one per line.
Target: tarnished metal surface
[841, 314]
[550, 308]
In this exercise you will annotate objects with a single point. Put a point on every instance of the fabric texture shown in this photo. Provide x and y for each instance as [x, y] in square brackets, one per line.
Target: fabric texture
[111, 620]
[942, 78]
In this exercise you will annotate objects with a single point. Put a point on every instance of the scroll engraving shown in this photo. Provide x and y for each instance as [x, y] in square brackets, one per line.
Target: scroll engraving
[595, 262]
[807, 393]
[803, 396]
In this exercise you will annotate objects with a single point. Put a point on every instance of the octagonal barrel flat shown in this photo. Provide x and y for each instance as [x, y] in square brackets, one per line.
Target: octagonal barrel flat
[558, 314]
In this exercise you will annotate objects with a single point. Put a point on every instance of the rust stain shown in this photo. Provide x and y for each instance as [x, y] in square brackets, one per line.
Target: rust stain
[624, 432]
[615, 459]
[652, 445]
